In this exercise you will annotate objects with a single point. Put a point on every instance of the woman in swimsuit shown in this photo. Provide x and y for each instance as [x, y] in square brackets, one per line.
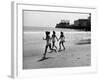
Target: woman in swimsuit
[48, 43]
[62, 40]
[54, 37]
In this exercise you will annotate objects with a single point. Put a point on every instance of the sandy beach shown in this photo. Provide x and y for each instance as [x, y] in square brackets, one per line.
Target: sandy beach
[77, 53]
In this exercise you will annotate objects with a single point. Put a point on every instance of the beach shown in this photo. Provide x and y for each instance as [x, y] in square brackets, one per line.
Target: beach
[77, 53]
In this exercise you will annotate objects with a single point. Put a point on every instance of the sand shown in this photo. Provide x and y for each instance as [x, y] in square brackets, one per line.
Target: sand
[75, 55]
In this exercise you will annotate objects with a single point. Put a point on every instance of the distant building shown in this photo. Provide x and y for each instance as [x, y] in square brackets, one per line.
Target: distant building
[63, 24]
[84, 24]
[89, 20]
[64, 21]
[81, 22]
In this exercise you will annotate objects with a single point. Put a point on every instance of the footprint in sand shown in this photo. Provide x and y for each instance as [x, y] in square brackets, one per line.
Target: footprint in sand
[78, 58]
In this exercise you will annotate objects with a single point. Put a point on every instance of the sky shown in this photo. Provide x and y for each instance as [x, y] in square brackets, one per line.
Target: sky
[49, 19]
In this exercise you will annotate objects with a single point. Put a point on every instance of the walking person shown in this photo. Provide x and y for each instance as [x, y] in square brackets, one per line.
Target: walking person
[62, 40]
[48, 43]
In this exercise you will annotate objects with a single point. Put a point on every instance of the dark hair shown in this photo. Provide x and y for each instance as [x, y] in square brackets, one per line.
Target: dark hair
[54, 32]
[62, 34]
[47, 32]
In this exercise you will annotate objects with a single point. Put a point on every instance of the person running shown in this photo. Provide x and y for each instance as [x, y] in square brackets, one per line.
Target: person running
[62, 40]
[48, 43]
[54, 37]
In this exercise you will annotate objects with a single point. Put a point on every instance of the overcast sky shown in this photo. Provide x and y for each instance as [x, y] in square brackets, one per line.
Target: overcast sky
[49, 19]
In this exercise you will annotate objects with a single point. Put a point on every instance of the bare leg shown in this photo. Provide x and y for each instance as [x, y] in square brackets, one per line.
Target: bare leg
[53, 45]
[63, 45]
[59, 45]
[45, 51]
[51, 48]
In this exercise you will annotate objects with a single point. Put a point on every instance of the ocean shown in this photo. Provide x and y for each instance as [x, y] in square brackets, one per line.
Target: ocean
[37, 29]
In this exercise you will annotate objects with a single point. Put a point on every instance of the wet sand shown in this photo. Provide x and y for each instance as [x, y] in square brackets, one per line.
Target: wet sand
[75, 55]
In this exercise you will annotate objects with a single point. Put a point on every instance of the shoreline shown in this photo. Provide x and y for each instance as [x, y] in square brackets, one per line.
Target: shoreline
[37, 29]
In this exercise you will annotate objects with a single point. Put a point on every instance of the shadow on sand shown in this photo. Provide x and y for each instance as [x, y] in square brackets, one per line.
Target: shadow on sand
[83, 43]
[42, 59]
[87, 41]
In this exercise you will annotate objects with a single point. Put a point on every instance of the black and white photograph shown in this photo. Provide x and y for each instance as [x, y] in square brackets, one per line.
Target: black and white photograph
[56, 39]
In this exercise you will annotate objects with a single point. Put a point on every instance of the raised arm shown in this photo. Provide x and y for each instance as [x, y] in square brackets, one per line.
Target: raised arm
[57, 38]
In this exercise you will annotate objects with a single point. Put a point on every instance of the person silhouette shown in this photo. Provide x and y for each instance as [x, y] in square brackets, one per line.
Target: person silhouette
[62, 40]
[48, 43]
[54, 37]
